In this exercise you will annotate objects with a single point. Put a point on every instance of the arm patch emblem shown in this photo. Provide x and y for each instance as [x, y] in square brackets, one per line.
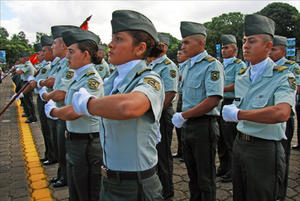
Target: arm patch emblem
[214, 75]
[292, 82]
[173, 73]
[93, 84]
[69, 74]
[153, 83]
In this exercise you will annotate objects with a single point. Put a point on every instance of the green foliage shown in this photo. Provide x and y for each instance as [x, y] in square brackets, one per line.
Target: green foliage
[38, 36]
[3, 33]
[286, 17]
[173, 48]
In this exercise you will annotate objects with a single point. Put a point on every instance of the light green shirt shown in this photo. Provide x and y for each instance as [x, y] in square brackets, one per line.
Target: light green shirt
[103, 69]
[43, 73]
[293, 67]
[27, 69]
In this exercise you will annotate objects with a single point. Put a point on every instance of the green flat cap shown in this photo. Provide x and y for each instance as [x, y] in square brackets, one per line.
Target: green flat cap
[191, 28]
[259, 24]
[77, 35]
[37, 47]
[164, 38]
[57, 31]
[128, 20]
[46, 40]
[279, 41]
[228, 39]
[101, 47]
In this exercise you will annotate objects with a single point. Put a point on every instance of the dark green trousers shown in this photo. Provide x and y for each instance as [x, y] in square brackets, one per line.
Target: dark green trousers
[84, 160]
[200, 138]
[131, 190]
[53, 139]
[44, 127]
[258, 170]
[61, 148]
[179, 130]
[165, 158]
[28, 105]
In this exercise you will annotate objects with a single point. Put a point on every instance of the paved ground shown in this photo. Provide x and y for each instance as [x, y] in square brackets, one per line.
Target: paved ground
[13, 179]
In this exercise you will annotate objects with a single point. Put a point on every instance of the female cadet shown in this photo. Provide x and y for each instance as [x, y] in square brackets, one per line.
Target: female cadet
[129, 113]
[84, 156]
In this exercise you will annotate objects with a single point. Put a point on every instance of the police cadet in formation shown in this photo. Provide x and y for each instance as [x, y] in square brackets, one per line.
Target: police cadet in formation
[84, 154]
[264, 98]
[232, 66]
[202, 90]
[169, 75]
[277, 54]
[25, 71]
[63, 79]
[182, 60]
[102, 68]
[130, 112]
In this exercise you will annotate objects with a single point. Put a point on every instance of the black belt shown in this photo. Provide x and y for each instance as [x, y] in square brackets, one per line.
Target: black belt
[82, 136]
[228, 101]
[204, 117]
[249, 138]
[122, 175]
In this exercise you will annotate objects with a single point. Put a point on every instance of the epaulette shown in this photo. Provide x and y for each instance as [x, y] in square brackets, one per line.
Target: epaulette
[279, 68]
[143, 70]
[167, 61]
[89, 73]
[237, 61]
[290, 62]
[209, 59]
[242, 71]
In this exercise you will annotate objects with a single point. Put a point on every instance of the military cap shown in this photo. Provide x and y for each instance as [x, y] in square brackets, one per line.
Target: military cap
[258, 24]
[228, 39]
[101, 47]
[127, 20]
[77, 35]
[279, 41]
[24, 54]
[46, 40]
[59, 29]
[191, 28]
[164, 38]
[37, 47]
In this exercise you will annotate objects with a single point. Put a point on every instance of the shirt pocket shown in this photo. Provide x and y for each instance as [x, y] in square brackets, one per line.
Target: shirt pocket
[193, 89]
[259, 102]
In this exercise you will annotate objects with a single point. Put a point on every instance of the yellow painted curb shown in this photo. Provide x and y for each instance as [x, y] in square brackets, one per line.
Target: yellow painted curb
[37, 180]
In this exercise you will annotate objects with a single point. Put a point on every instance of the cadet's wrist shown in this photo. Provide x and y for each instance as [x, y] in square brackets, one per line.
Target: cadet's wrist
[90, 102]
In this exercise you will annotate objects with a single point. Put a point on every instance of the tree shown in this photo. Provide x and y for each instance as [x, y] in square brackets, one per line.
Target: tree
[286, 17]
[20, 37]
[3, 33]
[38, 36]
[173, 48]
[231, 23]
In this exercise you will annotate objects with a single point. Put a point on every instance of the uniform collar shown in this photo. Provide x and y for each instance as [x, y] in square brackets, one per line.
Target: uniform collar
[123, 69]
[264, 68]
[227, 61]
[80, 71]
[281, 61]
[63, 60]
[183, 63]
[157, 61]
[55, 61]
[198, 58]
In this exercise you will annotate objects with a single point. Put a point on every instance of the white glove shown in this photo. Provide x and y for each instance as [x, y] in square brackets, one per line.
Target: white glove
[30, 78]
[80, 100]
[49, 107]
[38, 83]
[230, 113]
[42, 91]
[178, 120]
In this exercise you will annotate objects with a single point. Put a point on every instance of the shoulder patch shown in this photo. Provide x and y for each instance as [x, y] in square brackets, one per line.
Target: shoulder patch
[290, 62]
[209, 59]
[93, 84]
[237, 61]
[143, 70]
[44, 70]
[167, 61]
[173, 73]
[100, 68]
[214, 75]
[69, 74]
[292, 82]
[89, 73]
[152, 82]
[242, 71]
[297, 71]
[279, 68]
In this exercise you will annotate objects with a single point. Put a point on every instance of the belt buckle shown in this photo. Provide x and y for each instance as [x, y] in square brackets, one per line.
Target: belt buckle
[104, 171]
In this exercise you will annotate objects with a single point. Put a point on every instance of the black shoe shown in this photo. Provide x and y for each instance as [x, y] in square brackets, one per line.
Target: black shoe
[177, 155]
[60, 183]
[49, 162]
[54, 179]
[220, 172]
[43, 159]
[296, 147]
[227, 178]
[30, 120]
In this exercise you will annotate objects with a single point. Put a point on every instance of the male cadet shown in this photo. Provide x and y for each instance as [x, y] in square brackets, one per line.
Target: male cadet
[277, 54]
[102, 68]
[202, 90]
[25, 71]
[232, 67]
[182, 61]
[264, 97]
[169, 74]
[44, 67]
[63, 79]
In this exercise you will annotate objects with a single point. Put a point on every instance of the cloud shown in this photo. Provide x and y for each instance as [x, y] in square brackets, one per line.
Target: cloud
[39, 16]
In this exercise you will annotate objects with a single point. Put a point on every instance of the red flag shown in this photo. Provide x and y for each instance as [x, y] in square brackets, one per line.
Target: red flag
[84, 25]
[33, 58]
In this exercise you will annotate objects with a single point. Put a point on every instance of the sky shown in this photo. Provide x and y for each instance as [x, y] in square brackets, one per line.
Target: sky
[39, 15]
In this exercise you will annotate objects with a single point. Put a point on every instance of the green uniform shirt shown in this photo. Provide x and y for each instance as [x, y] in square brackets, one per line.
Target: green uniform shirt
[103, 69]
[272, 87]
[180, 71]
[130, 145]
[43, 73]
[231, 71]
[202, 79]
[293, 67]
[89, 79]
[27, 69]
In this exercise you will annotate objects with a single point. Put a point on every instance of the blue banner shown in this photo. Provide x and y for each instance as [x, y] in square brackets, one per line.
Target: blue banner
[291, 47]
[218, 49]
